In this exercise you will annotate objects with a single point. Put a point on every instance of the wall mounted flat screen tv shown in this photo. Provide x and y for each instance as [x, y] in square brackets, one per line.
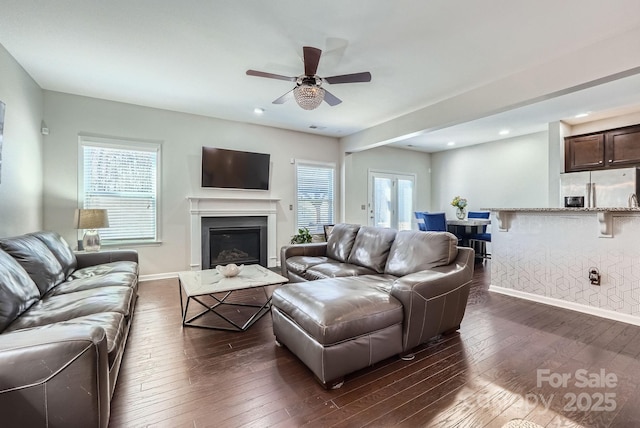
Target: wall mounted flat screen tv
[233, 169]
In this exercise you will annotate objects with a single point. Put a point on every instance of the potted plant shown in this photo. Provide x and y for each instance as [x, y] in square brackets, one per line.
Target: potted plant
[302, 237]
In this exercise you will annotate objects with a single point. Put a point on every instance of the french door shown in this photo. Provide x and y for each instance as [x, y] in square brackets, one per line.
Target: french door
[391, 199]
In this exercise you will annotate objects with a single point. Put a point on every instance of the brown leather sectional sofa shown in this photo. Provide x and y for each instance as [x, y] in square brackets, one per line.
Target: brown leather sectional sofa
[64, 323]
[368, 294]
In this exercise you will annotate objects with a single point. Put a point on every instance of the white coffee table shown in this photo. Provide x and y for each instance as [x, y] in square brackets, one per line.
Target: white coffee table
[196, 285]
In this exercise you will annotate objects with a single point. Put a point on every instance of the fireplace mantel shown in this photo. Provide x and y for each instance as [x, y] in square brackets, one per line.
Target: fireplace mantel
[231, 207]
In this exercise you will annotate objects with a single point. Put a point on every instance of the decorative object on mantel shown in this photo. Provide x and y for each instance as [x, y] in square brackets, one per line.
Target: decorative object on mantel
[308, 92]
[302, 237]
[1, 132]
[91, 220]
[229, 270]
[460, 204]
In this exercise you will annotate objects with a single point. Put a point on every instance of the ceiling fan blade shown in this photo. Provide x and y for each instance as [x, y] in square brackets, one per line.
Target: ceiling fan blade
[331, 99]
[270, 75]
[286, 97]
[349, 78]
[311, 60]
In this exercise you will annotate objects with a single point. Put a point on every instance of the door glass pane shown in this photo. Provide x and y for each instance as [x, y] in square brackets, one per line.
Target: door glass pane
[405, 204]
[382, 188]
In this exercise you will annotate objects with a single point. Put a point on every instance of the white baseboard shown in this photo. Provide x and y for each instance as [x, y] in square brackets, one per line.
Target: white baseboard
[155, 276]
[599, 312]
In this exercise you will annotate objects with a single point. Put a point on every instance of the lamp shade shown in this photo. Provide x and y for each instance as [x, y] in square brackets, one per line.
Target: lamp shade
[91, 219]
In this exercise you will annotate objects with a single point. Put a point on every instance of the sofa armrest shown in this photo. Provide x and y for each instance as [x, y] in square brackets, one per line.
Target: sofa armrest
[434, 300]
[315, 249]
[55, 376]
[101, 257]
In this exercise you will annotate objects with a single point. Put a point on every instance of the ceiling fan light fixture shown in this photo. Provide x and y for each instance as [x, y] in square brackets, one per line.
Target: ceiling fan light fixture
[308, 97]
[308, 92]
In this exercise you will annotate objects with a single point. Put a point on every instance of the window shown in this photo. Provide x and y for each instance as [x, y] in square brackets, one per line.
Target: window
[123, 178]
[315, 195]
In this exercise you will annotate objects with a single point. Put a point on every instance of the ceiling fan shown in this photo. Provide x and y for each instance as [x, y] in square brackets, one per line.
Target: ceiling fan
[308, 92]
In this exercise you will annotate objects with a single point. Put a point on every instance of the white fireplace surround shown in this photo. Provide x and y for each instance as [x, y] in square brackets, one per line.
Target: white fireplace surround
[231, 207]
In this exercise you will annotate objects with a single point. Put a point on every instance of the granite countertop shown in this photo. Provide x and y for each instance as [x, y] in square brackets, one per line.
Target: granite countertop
[571, 210]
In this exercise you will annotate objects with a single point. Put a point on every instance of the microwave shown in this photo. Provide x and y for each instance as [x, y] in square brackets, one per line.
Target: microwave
[574, 201]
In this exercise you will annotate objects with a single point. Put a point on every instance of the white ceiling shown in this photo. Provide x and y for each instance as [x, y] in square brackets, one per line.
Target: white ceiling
[191, 56]
[616, 98]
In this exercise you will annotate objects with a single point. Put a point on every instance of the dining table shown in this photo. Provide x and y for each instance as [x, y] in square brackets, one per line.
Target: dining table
[466, 227]
[470, 222]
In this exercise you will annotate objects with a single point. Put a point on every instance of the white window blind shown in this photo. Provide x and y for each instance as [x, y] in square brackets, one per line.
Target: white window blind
[315, 195]
[123, 179]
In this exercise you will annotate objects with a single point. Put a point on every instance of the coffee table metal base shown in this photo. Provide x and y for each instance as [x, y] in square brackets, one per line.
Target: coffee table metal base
[212, 292]
[221, 302]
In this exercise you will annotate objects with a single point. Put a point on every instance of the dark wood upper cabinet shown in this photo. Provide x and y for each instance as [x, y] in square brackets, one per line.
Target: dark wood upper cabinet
[584, 152]
[615, 148]
[622, 146]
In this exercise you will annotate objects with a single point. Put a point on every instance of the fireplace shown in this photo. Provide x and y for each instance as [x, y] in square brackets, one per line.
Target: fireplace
[224, 207]
[239, 240]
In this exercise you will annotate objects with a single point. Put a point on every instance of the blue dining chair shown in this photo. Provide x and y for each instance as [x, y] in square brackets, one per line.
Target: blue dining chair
[420, 217]
[435, 222]
[481, 238]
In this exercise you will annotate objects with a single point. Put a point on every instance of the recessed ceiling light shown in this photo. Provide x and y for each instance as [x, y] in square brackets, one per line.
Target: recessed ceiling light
[451, 143]
[578, 116]
[258, 110]
[504, 132]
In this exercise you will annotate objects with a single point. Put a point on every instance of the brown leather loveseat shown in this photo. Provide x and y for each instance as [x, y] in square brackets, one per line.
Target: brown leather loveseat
[64, 322]
[368, 294]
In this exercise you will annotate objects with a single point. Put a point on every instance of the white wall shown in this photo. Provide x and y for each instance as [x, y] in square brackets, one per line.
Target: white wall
[182, 136]
[387, 159]
[510, 173]
[557, 132]
[22, 152]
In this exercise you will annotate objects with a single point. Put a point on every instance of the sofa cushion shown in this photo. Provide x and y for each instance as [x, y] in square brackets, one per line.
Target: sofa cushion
[113, 323]
[371, 247]
[300, 264]
[335, 270]
[36, 258]
[339, 309]
[53, 309]
[17, 290]
[413, 251]
[341, 241]
[113, 279]
[60, 250]
[102, 269]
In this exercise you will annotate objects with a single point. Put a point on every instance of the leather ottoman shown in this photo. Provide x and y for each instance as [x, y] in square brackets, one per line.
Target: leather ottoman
[339, 325]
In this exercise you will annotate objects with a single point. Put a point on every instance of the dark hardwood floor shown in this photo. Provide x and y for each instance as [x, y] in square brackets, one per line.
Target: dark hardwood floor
[485, 375]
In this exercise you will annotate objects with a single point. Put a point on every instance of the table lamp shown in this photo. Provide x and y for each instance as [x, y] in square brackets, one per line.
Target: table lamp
[91, 221]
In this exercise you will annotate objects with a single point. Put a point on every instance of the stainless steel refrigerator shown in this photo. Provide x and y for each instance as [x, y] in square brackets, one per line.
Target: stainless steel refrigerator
[612, 188]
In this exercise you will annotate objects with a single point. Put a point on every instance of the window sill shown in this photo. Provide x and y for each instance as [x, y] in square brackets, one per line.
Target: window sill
[114, 245]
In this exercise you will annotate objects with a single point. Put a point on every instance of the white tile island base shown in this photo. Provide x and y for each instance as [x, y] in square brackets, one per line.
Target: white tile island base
[545, 255]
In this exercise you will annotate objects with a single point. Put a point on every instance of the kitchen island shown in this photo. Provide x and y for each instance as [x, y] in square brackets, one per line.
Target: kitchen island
[546, 254]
